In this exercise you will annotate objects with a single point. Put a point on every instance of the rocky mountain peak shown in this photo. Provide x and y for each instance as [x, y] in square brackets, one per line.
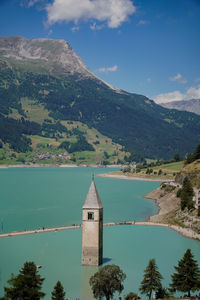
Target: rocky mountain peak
[57, 54]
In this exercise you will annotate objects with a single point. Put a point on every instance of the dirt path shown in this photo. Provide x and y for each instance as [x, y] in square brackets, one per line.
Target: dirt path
[184, 231]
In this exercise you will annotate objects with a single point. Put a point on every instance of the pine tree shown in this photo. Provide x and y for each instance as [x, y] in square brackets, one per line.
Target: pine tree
[187, 276]
[197, 152]
[26, 285]
[162, 293]
[58, 292]
[152, 279]
[187, 194]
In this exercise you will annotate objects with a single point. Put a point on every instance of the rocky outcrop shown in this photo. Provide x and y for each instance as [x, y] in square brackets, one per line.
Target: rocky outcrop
[192, 105]
[57, 54]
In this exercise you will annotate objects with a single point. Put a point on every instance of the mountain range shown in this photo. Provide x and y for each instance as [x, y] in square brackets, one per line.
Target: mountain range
[192, 105]
[44, 86]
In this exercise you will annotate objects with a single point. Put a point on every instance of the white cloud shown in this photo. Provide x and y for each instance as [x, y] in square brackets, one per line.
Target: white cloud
[75, 28]
[148, 79]
[113, 12]
[29, 3]
[107, 70]
[32, 2]
[178, 78]
[143, 22]
[94, 26]
[168, 97]
[191, 93]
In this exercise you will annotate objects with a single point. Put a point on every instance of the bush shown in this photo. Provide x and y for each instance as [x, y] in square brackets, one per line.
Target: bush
[198, 211]
[40, 145]
[163, 186]
[178, 194]
[126, 169]
[64, 145]
[132, 296]
[106, 154]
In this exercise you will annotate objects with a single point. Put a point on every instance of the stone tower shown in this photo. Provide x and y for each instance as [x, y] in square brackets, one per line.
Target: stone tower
[92, 229]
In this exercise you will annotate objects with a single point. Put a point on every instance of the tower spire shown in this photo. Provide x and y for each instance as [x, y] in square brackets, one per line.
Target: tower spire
[93, 200]
[92, 228]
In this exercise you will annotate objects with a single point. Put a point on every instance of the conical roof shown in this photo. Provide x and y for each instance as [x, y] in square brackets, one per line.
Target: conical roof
[93, 200]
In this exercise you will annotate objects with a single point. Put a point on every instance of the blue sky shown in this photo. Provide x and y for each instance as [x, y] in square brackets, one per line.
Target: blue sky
[150, 47]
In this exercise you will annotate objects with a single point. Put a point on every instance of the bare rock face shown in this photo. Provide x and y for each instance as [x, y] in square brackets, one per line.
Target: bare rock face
[57, 55]
[192, 105]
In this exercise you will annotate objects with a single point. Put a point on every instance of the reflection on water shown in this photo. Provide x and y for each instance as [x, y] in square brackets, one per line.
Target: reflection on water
[86, 273]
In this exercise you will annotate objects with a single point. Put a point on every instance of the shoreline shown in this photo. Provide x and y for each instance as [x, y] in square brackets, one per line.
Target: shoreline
[167, 204]
[164, 204]
[37, 165]
[117, 176]
[152, 220]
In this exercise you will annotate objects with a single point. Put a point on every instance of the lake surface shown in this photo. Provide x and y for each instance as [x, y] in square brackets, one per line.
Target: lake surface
[37, 197]
[49, 197]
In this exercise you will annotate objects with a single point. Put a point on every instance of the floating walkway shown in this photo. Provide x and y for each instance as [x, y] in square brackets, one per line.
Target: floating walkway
[184, 231]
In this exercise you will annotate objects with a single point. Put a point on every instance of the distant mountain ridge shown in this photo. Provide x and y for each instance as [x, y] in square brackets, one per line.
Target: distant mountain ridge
[192, 105]
[46, 75]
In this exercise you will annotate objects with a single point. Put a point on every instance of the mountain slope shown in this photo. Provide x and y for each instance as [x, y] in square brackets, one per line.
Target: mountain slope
[49, 75]
[192, 105]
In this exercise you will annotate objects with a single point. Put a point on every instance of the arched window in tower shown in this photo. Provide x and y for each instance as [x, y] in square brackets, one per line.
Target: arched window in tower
[90, 216]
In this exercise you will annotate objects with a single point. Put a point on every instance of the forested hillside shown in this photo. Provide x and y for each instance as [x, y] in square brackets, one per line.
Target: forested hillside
[37, 96]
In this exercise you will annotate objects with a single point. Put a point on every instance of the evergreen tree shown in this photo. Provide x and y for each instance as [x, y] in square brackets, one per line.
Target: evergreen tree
[186, 194]
[187, 276]
[58, 292]
[26, 285]
[107, 281]
[189, 158]
[162, 293]
[193, 156]
[197, 152]
[152, 279]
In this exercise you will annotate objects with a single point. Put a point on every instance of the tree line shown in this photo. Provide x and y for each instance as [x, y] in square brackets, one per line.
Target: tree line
[27, 285]
[185, 279]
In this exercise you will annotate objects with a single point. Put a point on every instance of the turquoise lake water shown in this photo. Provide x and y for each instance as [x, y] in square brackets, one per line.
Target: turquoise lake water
[37, 197]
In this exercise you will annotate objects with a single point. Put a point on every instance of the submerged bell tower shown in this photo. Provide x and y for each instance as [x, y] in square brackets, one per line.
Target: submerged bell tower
[92, 228]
